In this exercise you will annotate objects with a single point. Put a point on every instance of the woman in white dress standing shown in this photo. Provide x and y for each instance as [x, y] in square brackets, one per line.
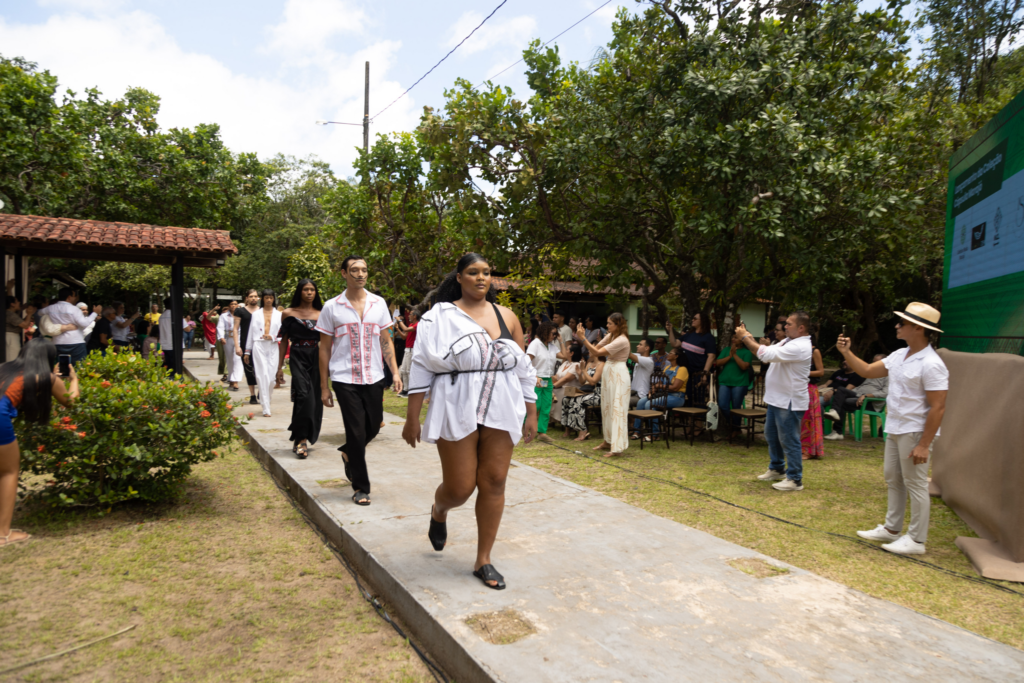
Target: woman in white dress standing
[615, 390]
[261, 346]
[469, 356]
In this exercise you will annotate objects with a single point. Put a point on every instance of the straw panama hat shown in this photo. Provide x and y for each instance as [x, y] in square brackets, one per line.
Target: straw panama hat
[921, 314]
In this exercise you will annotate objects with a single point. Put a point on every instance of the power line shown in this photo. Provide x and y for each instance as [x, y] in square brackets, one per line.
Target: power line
[607, 2]
[443, 58]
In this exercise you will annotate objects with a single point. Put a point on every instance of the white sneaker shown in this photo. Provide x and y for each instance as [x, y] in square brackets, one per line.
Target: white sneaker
[879, 533]
[771, 475]
[832, 414]
[788, 485]
[905, 546]
[834, 436]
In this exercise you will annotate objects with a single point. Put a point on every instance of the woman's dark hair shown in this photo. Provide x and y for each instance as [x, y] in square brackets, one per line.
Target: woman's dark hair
[263, 297]
[704, 327]
[297, 296]
[450, 290]
[34, 363]
[350, 259]
[593, 322]
[674, 351]
[11, 300]
[544, 331]
[620, 323]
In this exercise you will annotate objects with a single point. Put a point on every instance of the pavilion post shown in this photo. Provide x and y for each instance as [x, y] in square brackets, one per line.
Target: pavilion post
[3, 347]
[178, 314]
[19, 277]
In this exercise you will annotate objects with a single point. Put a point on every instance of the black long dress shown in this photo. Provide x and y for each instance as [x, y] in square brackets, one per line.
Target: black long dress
[304, 361]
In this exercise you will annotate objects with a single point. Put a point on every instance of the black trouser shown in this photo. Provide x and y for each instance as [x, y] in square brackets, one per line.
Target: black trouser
[362, 410]
[248, 370]
[843, 401]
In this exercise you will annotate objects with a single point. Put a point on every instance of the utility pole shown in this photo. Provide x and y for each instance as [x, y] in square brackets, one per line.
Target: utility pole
[366, 112]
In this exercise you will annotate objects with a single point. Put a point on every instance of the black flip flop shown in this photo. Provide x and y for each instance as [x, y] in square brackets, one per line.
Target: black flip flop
[360, 498]
[489, 573]
[301, 451]
[438, 532]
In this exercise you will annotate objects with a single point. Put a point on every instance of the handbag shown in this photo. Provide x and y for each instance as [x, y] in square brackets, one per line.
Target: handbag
[711, 419]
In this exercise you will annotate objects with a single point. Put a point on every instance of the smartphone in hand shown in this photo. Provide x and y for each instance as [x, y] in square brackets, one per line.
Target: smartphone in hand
[64, 364]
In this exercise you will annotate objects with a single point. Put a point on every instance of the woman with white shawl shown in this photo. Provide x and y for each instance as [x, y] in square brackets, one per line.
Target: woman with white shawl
[261, 346]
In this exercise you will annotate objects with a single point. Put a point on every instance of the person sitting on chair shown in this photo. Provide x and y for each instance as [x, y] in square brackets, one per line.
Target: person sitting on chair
[845, 399]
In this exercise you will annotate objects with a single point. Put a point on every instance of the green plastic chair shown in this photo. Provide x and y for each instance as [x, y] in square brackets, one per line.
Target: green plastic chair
[855, 420]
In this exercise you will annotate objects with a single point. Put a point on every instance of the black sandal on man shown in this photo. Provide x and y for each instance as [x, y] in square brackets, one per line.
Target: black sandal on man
[489, 573]
[360, 498]
[438, 532]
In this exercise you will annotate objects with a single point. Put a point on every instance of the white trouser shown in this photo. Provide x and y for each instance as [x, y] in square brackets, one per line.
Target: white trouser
[905, 479]
[207, 346]
[264, 359]
[403, 372]
[231, 361]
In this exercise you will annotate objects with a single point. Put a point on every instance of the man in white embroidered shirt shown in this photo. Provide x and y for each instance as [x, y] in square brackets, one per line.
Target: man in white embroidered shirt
[785, 394]
[354, 346]
[918, 384]
[66, 312]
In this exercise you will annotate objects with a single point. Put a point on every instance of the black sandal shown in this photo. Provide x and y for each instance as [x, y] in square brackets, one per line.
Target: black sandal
[301, 451]
[489, 573]
[438, 532]
[360, 498]
[345, 460]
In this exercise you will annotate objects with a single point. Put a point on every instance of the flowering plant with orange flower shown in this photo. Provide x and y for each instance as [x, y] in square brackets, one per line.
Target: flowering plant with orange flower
[134, 433]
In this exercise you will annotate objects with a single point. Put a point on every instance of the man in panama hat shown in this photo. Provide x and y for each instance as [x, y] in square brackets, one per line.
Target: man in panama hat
[918, 384]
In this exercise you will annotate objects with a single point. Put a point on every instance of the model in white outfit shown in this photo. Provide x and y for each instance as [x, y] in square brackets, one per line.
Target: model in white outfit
[447, 340]
[469, 356]
[261, 347]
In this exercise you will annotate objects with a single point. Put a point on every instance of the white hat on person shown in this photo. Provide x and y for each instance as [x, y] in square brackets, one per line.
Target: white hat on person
[81, 305]
[921, 314]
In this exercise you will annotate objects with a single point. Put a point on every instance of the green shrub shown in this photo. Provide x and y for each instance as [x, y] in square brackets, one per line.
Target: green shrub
[134, 433]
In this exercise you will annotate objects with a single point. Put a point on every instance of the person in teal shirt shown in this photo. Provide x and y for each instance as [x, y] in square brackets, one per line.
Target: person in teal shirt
[734, 378]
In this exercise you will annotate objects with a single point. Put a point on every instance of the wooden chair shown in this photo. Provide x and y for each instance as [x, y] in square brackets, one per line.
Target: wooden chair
[756, 413]
[659, 396]
[695, 412]
[592, 416]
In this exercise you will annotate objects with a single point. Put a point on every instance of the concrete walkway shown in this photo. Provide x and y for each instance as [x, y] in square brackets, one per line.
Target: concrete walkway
[613, 593]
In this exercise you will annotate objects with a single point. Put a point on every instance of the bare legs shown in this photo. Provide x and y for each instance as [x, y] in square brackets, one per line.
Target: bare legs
[10, 458]
[478, 462]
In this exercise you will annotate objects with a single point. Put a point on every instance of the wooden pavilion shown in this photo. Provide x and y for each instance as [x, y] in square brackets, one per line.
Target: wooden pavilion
[22, 237]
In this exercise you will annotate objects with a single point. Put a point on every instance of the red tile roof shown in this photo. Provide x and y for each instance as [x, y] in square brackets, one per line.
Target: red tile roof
[564, 286]
[69, 231]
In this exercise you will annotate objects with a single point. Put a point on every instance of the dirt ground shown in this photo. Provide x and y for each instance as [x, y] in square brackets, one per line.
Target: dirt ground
[229, 584]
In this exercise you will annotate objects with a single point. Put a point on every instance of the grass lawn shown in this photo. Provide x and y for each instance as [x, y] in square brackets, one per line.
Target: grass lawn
[227, 585]
[843, 492]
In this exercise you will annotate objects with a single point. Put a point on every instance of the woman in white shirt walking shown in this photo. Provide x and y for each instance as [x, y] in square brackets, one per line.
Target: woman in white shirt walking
[545, 351]
[469, 356]
[261, 346]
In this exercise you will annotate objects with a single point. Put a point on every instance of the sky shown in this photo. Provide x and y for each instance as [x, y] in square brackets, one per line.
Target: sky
[266, 70]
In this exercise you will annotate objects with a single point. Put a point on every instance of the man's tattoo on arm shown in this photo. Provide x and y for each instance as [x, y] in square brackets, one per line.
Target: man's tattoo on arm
[387, 350]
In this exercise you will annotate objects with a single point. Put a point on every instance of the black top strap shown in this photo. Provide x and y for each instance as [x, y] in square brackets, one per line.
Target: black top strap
[505, 334]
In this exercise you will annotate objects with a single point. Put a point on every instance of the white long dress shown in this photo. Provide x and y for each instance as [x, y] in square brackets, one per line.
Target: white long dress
[264, 353]
[224, 326]
[493, 380]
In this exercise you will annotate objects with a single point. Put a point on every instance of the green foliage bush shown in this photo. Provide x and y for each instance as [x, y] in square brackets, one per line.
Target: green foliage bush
[133, 434]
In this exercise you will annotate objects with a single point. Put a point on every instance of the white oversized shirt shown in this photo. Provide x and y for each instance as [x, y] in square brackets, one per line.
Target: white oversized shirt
[785, 385]
[545, 357]
[494, 383]
[62, 313]
[641, 383]
[909, 378]
[256, 328]
[355, 354]
[225, 325]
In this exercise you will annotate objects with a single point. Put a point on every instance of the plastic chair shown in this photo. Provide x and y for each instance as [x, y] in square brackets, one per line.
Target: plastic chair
[855, 420]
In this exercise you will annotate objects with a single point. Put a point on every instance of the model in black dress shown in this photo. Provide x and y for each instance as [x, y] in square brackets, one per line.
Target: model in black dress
[297, 326]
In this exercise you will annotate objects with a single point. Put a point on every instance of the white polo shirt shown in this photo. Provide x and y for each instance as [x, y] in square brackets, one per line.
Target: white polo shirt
[785, 385]
[641, 383]
[120, 333]
[355, 355]
[909, 378]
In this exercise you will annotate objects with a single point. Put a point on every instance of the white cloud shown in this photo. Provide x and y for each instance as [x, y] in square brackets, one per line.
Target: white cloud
[309, 25]
[516, 31]
[84, 5]
[260, 114]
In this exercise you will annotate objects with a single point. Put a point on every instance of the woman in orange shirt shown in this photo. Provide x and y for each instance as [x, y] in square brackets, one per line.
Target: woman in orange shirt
[28, 383]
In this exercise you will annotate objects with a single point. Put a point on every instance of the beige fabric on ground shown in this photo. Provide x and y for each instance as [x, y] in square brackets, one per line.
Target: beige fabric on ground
[977, 464]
